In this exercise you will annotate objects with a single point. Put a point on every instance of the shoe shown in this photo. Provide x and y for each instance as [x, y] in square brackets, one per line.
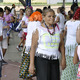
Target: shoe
[21, 45]
[4, 62]
[21, 54]
[18, 48]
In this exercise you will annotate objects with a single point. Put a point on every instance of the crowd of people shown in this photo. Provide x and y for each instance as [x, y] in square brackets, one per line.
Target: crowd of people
[50, 41]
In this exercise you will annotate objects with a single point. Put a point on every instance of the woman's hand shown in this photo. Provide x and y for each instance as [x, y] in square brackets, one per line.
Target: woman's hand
[31, 69]
[8, 21]
[32, 51]
[23, 23]
[63, 64]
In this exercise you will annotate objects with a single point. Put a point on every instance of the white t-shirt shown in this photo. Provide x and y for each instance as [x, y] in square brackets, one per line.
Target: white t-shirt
[48, 44]
[12, 11]
[31, 27]
[61, 22]
[26, 20]
[71, 32]
[71, 37]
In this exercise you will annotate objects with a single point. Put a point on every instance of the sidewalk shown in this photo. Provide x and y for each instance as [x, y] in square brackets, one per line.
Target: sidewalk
[11, 71]
[13, 57]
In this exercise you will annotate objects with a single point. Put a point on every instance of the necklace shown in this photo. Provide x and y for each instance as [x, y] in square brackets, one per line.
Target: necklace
[52, 43]
[49, 30]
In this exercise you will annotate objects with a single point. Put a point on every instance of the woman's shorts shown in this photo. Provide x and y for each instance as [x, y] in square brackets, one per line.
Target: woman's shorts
[24, 35]
[4, 43]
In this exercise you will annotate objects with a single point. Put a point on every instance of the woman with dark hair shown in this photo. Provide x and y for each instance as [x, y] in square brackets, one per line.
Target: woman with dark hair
[73, 6]
[7, 22]
[34, 21]
[60, 19]
[13, 11]
[70, 71]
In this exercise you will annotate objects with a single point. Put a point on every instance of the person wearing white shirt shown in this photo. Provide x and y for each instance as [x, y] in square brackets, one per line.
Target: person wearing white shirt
[24, 24]
[60, 19]
[44, 53]
[70, 71]
[1, 38]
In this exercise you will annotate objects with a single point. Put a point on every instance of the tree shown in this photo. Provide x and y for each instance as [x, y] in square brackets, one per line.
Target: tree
[26, 2]
[23, 2]
[64, 3]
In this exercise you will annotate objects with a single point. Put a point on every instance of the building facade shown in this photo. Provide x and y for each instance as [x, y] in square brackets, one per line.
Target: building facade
[39, 1]
[17, 1]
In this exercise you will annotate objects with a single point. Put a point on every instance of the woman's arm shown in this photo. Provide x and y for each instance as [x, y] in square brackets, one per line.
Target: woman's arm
[62, 49]
[12, 20]
[75, 58]
[57, 20]
[32, 52]
[23, 25]
[1, 38]
[65, 31]
[6, 27]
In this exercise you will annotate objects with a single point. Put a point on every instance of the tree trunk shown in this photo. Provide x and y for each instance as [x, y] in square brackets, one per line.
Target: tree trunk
[73, 1]
[23, 2]
[63, 3]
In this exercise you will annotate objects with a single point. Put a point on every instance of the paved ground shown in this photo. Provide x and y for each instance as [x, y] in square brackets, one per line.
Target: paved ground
[11, 71]
[13, 57]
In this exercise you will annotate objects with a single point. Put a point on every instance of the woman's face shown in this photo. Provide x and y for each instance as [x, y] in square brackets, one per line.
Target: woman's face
[28, 12]
[58, 10]
[21, 11]
[1, 14]
[49, 18]
[7, 12]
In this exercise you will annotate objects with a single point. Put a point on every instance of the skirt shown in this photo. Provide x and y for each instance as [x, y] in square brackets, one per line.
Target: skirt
[70, 72]
[23, 72]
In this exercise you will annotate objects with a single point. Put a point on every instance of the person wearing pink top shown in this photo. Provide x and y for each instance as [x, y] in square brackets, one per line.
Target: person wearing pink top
[76, 58]
[7, 17]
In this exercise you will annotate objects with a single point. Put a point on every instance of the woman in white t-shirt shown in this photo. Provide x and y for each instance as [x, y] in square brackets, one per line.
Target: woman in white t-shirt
[70, 71]
[60, 19]
[13, 11]
[35, 21]
[44, 49]
[24, 24]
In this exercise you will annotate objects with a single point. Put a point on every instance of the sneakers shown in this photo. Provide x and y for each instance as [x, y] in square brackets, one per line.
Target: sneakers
[18, 48]
[4, 62]
[21, 45]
